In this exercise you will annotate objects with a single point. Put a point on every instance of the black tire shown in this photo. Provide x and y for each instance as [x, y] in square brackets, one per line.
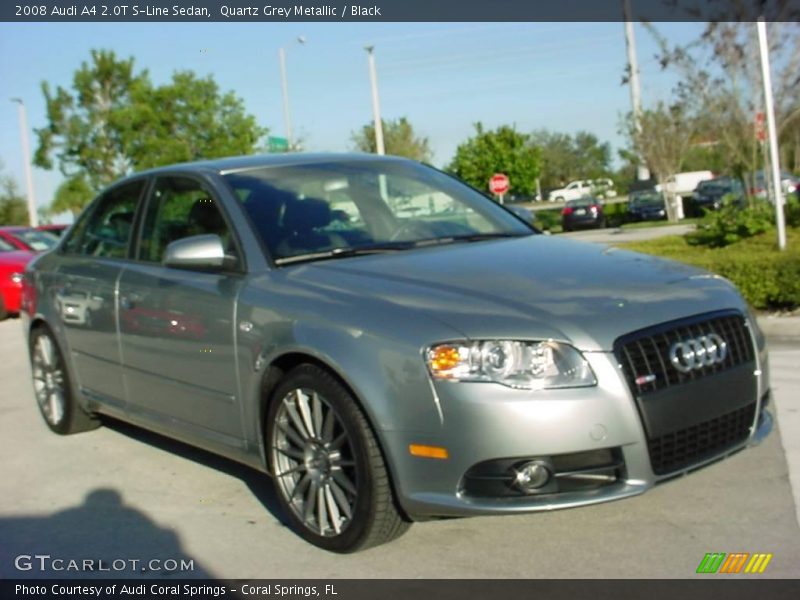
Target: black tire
[53, 389]
[3, 311]
[310, 469]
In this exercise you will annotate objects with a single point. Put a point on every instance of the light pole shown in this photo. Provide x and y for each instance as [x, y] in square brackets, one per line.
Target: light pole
[772, 134]
[33, 216]
[642, 172]
[287, 117]
[376, 105]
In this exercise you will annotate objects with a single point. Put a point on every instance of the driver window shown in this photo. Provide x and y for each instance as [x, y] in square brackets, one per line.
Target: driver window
[179, 207]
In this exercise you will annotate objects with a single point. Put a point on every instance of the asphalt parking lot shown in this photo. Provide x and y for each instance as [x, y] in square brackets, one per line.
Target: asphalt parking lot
[120, 493]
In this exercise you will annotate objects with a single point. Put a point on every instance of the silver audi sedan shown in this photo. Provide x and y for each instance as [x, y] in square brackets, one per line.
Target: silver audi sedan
[386, 343]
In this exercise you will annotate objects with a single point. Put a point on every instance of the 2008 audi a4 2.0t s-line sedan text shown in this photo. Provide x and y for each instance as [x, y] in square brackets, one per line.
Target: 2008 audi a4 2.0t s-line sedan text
[386, 343]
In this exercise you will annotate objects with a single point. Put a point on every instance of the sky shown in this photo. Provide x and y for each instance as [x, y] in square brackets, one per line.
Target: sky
[443, 77]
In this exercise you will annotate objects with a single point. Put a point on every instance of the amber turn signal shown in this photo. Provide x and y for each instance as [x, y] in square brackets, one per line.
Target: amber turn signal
[428, 451]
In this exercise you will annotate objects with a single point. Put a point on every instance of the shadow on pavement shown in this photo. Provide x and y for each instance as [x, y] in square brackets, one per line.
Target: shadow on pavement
[101, 538]
[258, 483]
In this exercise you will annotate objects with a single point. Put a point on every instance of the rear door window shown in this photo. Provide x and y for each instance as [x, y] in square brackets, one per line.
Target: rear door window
[107, 231]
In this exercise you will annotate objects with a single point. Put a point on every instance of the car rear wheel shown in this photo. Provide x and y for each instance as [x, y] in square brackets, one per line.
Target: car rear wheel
[3, 311]
[51, 386]
[329, 473]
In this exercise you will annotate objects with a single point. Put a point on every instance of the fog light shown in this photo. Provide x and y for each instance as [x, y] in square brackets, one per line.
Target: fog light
[532, 476]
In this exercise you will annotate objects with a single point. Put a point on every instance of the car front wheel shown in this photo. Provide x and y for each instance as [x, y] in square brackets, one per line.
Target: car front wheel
[51, 386]
[328, 469]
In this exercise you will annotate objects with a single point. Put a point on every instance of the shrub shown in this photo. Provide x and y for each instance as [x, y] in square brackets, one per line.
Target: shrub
[767, 277]
[548, 220]
[731, 223]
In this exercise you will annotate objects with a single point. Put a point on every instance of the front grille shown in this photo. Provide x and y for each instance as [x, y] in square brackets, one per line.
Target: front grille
[680, 449]
[691, 417]
[644, 355]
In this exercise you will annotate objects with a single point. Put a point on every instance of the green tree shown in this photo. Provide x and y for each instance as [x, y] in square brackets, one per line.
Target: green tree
[399, 139]
[503, 150]
[662, 141]
[13, 208]
[558, 158]
[71, 196]
[720, 79]
[566, 157]
[185, 120]
[114, 120]
[84, 130]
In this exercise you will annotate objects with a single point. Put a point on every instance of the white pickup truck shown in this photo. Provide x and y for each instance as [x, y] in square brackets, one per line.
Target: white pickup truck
[600, 188]
[572, 191]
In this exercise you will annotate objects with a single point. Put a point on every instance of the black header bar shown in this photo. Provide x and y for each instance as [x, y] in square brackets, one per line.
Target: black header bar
[277, 11]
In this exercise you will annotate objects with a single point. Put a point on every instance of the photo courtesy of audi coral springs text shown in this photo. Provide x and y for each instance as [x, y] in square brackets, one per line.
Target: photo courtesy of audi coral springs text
[386, 343]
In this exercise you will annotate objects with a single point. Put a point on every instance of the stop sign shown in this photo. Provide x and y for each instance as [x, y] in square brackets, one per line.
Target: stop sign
[499, 184]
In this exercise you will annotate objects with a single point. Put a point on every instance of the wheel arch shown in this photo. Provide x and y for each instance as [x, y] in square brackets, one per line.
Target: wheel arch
[275, 372]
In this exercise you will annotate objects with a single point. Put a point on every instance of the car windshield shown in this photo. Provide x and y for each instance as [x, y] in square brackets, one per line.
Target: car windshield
[38, 241]
[5, 246]
[336, 209]
[647, 199]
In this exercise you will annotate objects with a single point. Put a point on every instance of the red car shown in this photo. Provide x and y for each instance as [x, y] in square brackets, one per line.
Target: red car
[12, 266]
[27, 238]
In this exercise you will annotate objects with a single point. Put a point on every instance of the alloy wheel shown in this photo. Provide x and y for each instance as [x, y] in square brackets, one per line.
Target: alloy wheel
[313, 462]
[49, 380]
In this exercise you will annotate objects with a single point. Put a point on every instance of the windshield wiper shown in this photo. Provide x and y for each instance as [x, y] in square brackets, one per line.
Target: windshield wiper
[392, 246]
[378, 248]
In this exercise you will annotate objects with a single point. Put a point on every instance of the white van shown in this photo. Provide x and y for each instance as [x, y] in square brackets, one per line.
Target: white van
[683, 184]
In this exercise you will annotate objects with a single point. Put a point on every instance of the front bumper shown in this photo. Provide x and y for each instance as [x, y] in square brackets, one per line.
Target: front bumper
[487, 422]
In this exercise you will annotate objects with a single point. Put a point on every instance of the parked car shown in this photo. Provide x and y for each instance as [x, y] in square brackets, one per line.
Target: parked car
[388, 369]
[56, 229]
[646, 205]
[790, 184]
[12, 267]
[572, 191]
[27, 238]
[683, 184]
[711, 194]
[583, 213]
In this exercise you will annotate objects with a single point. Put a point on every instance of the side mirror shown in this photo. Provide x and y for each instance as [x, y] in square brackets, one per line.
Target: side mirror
[195, 252]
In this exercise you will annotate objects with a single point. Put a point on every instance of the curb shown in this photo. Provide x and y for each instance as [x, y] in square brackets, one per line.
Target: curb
[780, 326]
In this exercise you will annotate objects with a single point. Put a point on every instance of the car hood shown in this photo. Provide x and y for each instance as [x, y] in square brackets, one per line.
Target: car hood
[535, 287]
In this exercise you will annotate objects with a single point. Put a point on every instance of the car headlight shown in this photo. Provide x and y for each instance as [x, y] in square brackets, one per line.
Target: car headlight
[16, 278]
[517, 364]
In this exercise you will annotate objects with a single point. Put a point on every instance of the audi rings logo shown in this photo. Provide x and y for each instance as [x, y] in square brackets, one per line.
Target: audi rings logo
[699, 352]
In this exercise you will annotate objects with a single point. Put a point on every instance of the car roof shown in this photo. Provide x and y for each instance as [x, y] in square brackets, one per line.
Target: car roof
[13, 228]
[244, 163]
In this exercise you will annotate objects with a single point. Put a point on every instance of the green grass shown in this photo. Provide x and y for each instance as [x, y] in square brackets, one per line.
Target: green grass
[767, 277]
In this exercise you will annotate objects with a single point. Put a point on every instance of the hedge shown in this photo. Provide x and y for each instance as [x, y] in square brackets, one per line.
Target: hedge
[768, 278]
